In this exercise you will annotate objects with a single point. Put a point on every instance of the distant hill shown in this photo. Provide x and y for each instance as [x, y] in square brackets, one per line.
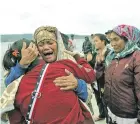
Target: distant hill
[14, 37]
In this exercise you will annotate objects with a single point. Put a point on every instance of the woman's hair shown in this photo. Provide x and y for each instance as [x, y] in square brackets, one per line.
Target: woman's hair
[13, 55]
[102, 37]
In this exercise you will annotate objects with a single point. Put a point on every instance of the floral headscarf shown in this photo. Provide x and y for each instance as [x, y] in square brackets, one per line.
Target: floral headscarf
[133, 36]
[51, 33]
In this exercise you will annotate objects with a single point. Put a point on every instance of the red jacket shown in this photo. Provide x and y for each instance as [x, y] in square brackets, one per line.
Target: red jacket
[54, 106]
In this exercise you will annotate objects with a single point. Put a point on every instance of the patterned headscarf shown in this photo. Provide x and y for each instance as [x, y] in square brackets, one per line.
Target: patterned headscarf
[133, 36]
[51, 33]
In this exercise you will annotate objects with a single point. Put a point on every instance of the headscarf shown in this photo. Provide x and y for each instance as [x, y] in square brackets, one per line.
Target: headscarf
[52, 33]
[133, 36]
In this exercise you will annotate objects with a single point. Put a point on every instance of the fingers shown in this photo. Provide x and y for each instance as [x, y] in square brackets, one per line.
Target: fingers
[28, 54]
[62, 81]
[32, 47]
[66, 88]
[66, 85]
[67, 72]
[63, 78]
[33, 53]
[69, 52]
[36, 51]
[24, 46]
[62, 84]
[66, 82]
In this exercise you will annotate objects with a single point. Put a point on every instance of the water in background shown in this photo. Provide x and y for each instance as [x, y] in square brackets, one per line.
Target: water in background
[4, 47]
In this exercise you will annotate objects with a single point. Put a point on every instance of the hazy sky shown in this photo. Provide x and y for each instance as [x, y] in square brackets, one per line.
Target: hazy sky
[69, 16]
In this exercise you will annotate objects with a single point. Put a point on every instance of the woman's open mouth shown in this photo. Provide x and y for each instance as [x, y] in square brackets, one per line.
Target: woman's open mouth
[48, 55]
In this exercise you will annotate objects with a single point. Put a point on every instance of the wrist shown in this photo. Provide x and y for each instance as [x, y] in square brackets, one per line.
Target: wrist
[77, 85]
[24, 66]
[22, 62]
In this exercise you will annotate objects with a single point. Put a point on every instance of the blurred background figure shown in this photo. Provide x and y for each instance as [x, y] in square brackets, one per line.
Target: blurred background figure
[108, 34]
[87, 48]
[93, 45]
[72, 42]
[92, 36]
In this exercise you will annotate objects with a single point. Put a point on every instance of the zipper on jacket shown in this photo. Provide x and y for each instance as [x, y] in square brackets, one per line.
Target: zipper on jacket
[117, 63]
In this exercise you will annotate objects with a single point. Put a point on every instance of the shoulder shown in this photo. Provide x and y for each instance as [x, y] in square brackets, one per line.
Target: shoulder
[137, 52]
[136, 58]
[66, 62]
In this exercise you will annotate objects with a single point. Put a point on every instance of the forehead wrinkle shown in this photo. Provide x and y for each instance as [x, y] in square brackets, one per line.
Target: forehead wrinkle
[47, 41]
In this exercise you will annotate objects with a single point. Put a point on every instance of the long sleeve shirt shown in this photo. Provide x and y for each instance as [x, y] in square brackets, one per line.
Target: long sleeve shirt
[15, 72]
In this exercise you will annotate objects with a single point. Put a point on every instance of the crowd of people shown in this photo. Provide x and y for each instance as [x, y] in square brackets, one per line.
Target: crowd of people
[49, 82]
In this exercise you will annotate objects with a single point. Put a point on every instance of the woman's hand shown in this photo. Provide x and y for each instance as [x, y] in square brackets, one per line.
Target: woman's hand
[74, 53]
[28, 54]
[89, 56]
[66, 82]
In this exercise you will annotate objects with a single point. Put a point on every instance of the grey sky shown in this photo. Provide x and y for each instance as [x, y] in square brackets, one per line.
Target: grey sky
[69, 16]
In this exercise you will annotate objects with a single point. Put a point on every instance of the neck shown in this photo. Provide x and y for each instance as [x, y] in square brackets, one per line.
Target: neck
[101, 49]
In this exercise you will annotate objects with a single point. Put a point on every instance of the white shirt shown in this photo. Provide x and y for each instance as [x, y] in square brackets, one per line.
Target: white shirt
[74, 44]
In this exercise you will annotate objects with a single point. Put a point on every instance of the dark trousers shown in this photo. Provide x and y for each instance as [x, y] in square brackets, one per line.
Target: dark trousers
[99, 103]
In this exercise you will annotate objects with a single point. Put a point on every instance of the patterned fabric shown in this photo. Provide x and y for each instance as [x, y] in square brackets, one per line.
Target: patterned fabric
[45, 33]
[133, 36]
[8, 97]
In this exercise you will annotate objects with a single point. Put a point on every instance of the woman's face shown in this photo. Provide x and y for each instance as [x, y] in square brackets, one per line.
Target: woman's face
[117, 42]
[98, 43]
[48, 50]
